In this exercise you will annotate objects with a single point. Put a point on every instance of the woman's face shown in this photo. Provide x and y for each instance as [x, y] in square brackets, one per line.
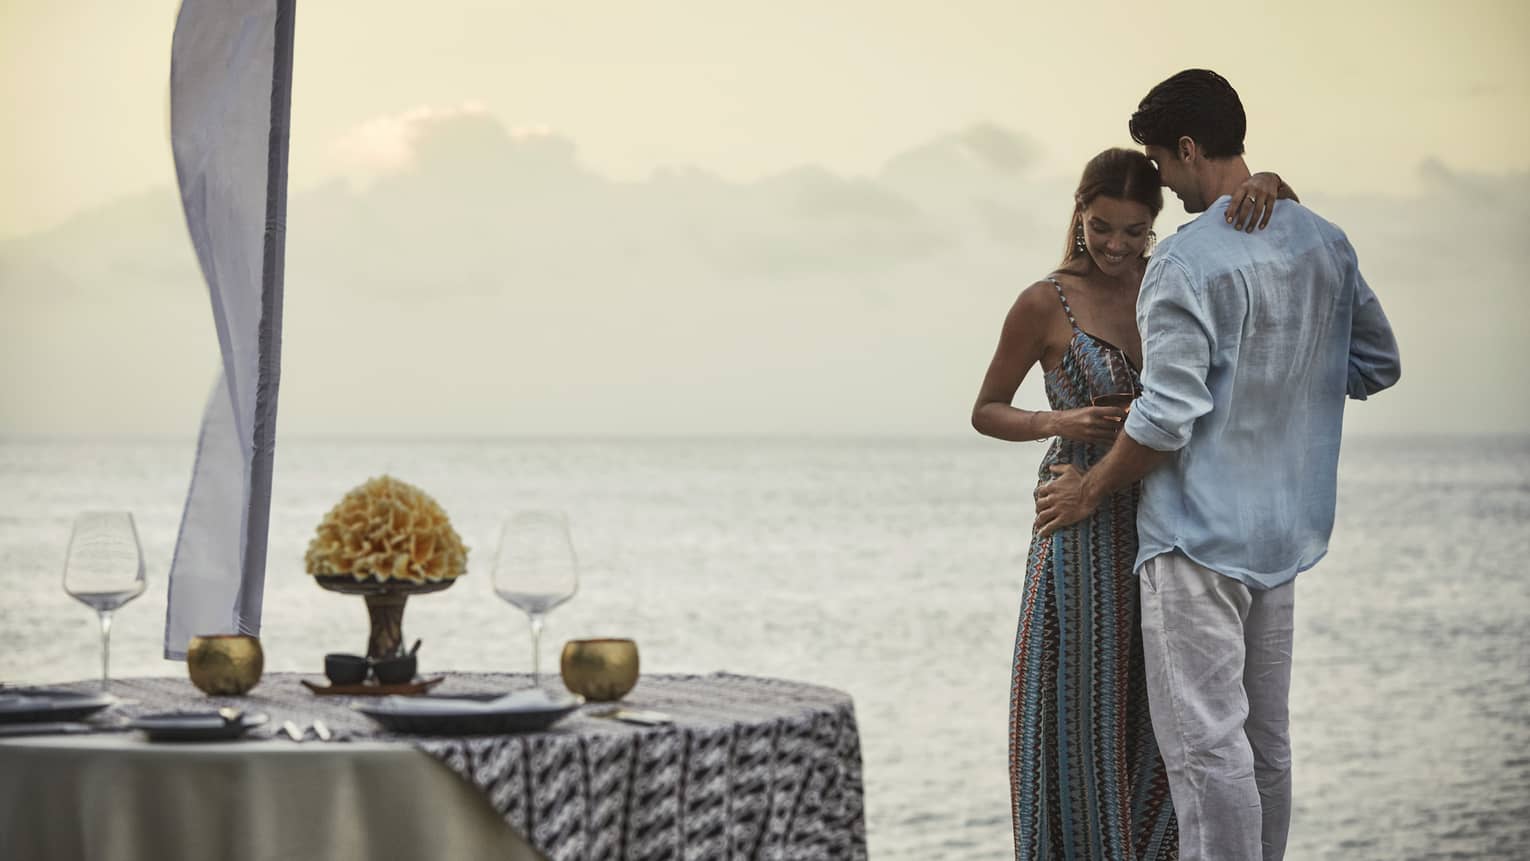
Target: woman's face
[1116, 232]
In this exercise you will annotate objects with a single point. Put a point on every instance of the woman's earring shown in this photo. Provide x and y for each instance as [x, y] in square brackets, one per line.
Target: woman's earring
[1078, 240]
[1151, 244]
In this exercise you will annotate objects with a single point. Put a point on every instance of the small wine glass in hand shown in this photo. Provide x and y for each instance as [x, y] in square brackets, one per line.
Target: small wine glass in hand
[1117, 388]
[104, 569]
[536, 570]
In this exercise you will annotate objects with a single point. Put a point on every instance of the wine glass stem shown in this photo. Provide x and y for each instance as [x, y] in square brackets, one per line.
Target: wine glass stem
[106, 646]
[536, 650]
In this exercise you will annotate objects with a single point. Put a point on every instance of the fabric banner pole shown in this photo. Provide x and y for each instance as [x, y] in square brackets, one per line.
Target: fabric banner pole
[230, 109]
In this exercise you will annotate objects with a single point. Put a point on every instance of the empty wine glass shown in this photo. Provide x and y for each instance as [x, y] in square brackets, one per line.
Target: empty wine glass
[104, 569]
[535, 569]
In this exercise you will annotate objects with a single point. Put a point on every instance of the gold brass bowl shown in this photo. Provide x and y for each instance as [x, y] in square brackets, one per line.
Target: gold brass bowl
[224, 664]
[600, 670]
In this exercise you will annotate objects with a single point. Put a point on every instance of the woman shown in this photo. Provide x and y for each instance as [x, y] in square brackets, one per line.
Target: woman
[1086, 779]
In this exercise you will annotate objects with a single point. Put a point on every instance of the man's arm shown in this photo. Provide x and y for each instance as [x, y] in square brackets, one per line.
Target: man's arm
[1074, 495]
[1177, 345]
[1374, 363]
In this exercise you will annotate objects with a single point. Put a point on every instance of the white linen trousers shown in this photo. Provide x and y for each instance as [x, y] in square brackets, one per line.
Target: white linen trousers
[1218, 660]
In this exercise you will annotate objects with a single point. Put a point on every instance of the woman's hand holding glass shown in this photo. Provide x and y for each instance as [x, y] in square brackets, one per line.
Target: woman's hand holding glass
[1088, 424]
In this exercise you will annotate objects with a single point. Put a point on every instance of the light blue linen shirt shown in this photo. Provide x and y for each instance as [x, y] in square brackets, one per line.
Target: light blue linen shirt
[1250, 344]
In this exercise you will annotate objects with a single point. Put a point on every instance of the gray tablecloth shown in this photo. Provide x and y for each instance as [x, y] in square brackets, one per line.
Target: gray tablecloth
[752, 768]
[117, 798]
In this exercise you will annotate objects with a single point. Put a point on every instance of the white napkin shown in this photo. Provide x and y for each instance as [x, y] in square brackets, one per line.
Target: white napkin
[526, 700]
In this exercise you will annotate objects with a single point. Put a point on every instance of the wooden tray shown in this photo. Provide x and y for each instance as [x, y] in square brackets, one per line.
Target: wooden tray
[373, 690]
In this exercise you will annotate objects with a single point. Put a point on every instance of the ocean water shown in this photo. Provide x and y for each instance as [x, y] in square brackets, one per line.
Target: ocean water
[889, 569]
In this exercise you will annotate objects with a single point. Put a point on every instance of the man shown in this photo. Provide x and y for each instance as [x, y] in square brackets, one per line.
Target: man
[1251, 341]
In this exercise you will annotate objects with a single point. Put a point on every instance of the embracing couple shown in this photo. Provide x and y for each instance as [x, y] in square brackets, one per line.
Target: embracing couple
[1148, 709]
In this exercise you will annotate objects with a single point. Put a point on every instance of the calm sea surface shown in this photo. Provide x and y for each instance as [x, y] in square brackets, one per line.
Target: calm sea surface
[889, 569]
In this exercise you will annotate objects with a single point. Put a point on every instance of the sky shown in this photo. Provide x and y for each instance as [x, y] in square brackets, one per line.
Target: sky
[1386, 116]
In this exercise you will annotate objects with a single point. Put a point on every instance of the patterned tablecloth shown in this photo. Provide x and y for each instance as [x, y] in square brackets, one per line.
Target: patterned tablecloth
[752, 768]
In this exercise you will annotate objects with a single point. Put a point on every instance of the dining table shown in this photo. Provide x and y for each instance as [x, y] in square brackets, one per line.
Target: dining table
[723, 766]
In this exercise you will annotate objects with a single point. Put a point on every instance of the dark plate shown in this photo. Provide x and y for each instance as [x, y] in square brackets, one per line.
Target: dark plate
[195, 726]
[24, 730]
[30, 705]
[401, 719]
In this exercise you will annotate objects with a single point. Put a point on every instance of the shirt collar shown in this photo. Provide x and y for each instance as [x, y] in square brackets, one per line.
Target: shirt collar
[1217, 207]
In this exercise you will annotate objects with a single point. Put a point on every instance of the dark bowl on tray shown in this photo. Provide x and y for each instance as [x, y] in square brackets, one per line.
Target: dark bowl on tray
[394, 671]
[346, 669]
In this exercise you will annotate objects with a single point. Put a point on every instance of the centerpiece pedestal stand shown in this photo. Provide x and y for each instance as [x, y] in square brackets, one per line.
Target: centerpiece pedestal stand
[385, 606]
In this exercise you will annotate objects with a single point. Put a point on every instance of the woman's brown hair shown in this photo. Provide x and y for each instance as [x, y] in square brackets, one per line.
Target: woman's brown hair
[1123, 174]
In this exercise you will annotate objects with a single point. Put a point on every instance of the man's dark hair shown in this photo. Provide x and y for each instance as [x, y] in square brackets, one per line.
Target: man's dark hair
[1198, 104]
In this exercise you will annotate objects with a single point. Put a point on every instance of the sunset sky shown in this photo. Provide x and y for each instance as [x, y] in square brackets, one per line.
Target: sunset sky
[1387, 113]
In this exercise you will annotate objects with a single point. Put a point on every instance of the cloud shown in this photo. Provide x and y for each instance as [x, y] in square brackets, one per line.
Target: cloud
[500, 203]
[1464, 189]
[393, 143]
[983, 149]
[482, 280]
[815, 193]
[1458, 249]
[1449, 266]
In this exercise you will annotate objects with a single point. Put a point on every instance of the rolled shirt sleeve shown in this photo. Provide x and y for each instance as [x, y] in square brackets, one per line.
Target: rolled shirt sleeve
[1177, 344]
[1374, 363]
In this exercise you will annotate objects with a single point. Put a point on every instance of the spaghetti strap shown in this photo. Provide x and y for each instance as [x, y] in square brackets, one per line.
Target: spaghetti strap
[1066, 309]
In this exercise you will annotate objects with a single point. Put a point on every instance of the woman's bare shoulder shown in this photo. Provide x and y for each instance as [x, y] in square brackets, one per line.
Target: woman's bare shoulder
[1043, 292]
[1037, 303]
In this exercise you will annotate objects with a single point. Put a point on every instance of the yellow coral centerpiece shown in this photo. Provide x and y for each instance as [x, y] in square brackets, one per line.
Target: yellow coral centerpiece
[387, 529]
[386, 540]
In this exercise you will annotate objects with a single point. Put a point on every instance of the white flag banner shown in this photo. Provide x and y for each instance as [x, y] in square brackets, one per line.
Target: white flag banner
[230, 103]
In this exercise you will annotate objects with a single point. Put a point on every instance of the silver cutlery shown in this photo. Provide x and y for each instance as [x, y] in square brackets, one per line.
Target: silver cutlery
[636, 716]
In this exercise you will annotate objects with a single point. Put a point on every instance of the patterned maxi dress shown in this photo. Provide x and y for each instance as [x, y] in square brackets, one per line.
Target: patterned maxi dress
[1086, 779]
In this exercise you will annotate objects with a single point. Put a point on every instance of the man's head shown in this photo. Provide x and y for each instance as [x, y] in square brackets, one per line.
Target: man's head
[1187, 125]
